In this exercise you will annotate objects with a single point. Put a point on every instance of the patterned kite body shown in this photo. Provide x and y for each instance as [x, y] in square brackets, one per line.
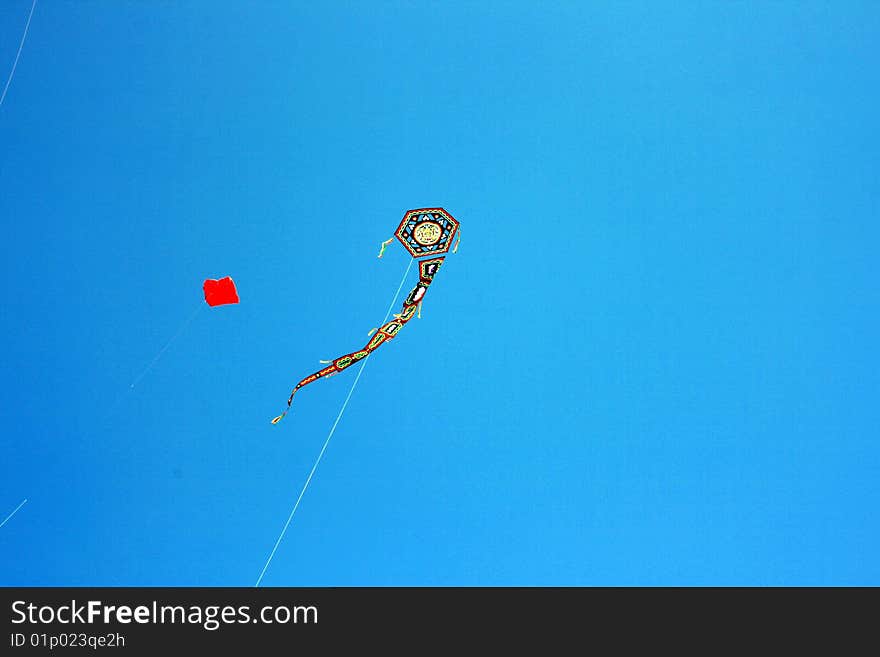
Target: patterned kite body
[428, 231]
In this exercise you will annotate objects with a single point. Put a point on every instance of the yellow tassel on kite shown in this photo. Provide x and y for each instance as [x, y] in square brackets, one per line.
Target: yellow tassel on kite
[384, 246]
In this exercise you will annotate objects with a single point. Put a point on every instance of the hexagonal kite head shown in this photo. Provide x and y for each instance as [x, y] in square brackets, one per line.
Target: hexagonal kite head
[427, 231]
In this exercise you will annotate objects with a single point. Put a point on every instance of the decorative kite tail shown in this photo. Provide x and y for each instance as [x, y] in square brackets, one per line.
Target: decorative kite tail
[278, 419]
[385, 246]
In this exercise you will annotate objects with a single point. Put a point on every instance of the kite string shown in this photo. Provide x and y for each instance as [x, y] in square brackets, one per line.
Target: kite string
[174, 337]
[330, 435]
[18, 54]
[13, 513]
[127, 391]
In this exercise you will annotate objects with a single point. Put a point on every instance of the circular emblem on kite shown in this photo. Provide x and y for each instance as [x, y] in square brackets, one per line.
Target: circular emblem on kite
[427, 233]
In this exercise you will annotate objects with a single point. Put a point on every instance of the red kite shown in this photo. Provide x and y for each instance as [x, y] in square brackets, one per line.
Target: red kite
[220, 293]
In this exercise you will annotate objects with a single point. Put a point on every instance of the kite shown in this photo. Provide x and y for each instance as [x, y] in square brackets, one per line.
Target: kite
[423, 232]
[220, 293]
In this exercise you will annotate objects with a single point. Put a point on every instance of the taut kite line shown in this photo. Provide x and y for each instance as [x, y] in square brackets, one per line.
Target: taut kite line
[424, 232]
[18, 53]
[13, 512]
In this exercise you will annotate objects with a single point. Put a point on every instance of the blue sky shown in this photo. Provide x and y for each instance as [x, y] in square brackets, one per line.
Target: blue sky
[651, 362]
